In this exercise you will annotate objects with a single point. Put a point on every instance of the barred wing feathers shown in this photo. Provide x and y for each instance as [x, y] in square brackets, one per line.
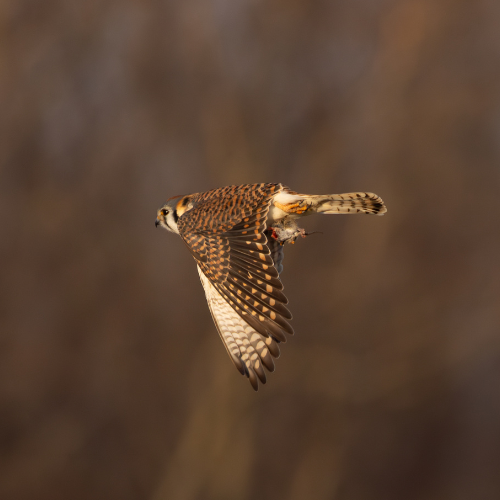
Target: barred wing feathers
[225, 233]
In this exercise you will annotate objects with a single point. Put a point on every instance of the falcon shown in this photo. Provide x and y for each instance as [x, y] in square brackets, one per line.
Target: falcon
[236, 235]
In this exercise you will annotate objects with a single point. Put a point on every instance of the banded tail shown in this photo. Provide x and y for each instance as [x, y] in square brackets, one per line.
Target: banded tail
[346, 203]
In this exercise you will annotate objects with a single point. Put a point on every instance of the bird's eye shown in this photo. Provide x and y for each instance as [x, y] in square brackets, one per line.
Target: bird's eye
[164, 211]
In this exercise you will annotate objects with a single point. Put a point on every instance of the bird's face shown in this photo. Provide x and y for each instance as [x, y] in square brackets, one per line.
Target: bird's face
[169, 214]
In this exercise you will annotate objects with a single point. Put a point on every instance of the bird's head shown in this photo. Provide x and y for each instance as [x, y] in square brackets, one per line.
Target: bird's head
[169, 214]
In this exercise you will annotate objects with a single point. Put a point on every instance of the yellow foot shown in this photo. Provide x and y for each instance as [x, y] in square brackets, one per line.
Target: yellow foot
[293, 208]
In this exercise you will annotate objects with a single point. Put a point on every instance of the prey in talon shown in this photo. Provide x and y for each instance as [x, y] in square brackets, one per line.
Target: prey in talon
[287, 231]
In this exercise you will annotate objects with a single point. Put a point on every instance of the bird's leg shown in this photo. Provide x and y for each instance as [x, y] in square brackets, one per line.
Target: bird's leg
[299, 207]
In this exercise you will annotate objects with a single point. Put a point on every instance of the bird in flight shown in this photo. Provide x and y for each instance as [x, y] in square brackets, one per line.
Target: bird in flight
[236, 236]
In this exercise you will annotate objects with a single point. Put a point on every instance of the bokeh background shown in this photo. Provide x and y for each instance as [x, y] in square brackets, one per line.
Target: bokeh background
[113, 381]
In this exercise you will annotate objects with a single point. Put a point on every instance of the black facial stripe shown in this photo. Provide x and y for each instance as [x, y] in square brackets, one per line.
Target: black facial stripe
[176, 217]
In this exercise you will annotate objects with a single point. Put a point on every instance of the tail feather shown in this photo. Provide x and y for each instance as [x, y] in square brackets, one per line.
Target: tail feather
[347, 203]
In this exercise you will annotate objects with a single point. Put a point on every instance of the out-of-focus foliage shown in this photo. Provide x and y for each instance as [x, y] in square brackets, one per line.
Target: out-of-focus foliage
[113, 382]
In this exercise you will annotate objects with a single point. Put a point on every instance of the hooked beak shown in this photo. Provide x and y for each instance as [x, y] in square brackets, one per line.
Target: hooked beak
[157, 221]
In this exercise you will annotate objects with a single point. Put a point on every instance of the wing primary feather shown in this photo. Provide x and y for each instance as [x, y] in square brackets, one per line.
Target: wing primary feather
[266, 279]
[253, 265]
[273, 347]
[243, 274]
[258, 369]
[278, 307]
[284, 325]
[253, 379]
[259, 344]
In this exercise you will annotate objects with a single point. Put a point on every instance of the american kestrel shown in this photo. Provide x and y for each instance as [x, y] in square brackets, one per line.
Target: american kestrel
[236, 235]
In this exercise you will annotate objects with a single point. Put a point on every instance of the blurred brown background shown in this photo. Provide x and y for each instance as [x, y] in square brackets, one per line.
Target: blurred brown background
[113, 381]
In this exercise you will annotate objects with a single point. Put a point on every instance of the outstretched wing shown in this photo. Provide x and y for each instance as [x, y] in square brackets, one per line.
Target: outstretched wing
[225, 233]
